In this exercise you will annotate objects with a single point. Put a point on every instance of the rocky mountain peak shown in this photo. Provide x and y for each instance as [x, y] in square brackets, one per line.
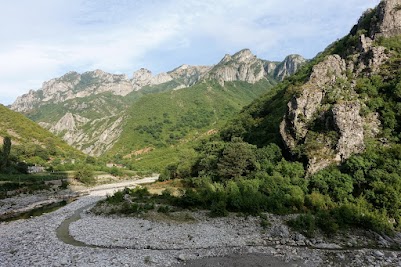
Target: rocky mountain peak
[244, 55]
[142, 74]
[383, 21]
[245, 66]
[226, 58]
[387, 19]
[242, 66]
[189, 75]
[289, 66]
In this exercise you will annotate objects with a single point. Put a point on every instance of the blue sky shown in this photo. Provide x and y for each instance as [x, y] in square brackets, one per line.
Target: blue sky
[44, 39]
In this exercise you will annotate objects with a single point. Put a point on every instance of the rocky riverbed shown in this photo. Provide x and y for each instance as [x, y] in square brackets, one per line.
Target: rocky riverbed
[197, 241]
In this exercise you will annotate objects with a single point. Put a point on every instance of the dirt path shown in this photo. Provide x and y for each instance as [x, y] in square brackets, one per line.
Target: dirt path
[108, 189]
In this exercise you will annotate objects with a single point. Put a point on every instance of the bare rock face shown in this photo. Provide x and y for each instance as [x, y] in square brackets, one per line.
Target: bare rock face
[387, 21]
[245, 66]
[349, 124]
[308, 108]
[73, 85]
[106, 132]
[242, 66]
[302, 109]
[144, 77]
[68, 122]
[26, 102]
[370, 57]
[189, 75]
[289, 66]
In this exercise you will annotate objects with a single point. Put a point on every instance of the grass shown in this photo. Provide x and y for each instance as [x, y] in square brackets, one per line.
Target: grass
[41, 177]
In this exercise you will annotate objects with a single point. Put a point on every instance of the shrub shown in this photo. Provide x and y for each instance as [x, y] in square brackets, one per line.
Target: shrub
[305, 224]
[218, 209]
[85, 176]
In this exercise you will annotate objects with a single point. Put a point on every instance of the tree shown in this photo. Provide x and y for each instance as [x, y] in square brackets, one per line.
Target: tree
[238, 159]
[5, 154]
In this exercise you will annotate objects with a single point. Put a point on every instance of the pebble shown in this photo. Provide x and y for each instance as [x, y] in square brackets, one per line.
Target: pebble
[33, 242]
[379, 253]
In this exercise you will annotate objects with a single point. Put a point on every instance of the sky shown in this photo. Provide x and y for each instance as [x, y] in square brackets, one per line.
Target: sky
[44, 39]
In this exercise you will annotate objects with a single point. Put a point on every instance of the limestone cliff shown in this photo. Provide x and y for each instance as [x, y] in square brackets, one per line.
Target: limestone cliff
[324, 120]
[289, 66]
[245, 66]
[189, 75]
[73, 85]
[144, 77]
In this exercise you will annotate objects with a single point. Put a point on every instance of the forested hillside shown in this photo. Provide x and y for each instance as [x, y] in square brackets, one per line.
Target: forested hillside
[325, 141]
[31, 144]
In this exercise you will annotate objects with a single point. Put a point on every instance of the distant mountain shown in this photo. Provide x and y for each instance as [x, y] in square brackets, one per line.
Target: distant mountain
[244, 66]
[74, 85]
[89, 111]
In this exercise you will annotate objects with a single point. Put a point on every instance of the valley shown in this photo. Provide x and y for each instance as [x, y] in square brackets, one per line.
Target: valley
[246, 162]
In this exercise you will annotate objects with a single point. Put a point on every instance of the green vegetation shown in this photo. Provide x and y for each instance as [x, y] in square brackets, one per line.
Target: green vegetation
[165, 123]
[85, 175]
[14, 184]
[26, 143]
[243, 169]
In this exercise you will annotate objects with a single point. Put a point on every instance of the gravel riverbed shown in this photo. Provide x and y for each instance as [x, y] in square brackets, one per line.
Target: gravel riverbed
[204, 241]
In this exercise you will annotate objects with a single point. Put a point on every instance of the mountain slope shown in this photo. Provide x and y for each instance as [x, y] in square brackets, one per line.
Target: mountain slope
[89, 110]
[339, 102]
[325, 141]
[30, 142]
[180, 116]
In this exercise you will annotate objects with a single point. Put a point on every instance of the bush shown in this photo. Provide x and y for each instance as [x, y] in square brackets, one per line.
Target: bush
[305, 224]
[85, 176]
[327, 223]
[116, 198]
[218, 209]
[116, 172]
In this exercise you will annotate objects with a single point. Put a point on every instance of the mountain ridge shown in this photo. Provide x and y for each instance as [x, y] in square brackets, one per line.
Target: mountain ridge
[94, 103]
[71, 84]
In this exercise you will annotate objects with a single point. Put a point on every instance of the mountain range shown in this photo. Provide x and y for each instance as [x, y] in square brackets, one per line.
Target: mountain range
[93, 110]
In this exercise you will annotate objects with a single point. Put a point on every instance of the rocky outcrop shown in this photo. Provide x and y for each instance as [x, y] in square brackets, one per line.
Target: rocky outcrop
[387, 19]
[302, 109]
[104, 132]
[349, 125]
[68, 122]
[289, 66]
[242, 66]
[383, 21]
[369, 57]
[309, 108]
[144, 77]
[189, 75]
[73, 85]
[323, 120]
[245, 66]
[26, 102]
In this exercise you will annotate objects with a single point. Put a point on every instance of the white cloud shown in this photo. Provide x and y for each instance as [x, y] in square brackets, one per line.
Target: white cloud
[45, 38]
